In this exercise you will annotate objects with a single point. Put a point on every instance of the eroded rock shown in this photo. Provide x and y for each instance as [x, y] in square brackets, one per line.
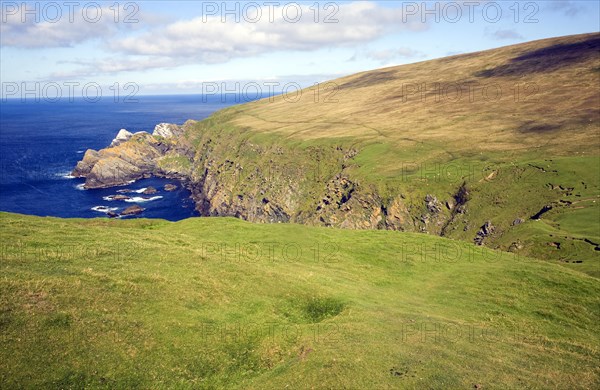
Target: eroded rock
[485, 231]
[133, 210]
[149, 191]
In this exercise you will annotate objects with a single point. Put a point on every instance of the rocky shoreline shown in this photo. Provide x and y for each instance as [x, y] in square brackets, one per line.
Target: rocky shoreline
[223, 184]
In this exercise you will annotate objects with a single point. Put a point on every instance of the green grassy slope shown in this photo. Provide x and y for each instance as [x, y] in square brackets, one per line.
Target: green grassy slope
[222, 303]
[534, 143]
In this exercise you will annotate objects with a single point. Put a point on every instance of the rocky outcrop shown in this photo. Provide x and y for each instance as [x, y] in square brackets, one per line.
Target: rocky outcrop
[121, 137]
[433, 204]
[517, 221]
[150, 191]
[348, 205]
[167, 130]
[485, 231]
[133, 210]
[398, 216]
[120, 163]
[112, 171]
[84, 167]
[118, 197]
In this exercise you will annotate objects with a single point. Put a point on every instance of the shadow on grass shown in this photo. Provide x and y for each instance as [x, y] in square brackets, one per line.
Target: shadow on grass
[547, 59]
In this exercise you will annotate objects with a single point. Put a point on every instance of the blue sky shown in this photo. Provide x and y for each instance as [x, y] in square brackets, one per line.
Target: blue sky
[171, 47]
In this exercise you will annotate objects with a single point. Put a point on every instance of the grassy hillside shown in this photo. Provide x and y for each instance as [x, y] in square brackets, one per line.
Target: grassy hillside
[386, 155]
[514, 129]
[223, 303]
[506, 101]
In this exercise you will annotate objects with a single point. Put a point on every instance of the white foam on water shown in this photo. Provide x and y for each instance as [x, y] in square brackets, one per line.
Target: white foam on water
[64, 175]
[111, 198]
[80, 151]
[80, 186]
[104, 209]
[139, 199]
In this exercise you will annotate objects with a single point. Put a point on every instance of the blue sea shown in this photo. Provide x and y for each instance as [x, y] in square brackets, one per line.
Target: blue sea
[41, 142]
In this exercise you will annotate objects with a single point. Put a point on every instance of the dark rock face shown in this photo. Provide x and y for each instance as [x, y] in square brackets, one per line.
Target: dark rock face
[544, 210]
[346, 204]
[133, 210]
[485, 231]
[461, 197]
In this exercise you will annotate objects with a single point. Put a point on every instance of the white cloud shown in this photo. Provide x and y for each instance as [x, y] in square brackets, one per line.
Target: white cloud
[161, 43]
[111, 66]
[33, 28]
[212, 41]
[507, 34]
[569, 8]
[385, 56]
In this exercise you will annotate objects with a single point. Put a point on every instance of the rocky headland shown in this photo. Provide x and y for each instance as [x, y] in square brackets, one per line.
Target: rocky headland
[232, 176]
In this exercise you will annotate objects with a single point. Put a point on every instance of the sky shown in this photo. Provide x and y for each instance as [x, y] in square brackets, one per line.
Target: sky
[181, 47]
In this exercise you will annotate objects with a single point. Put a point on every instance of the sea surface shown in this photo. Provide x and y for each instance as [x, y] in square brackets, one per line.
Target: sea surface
[41, 142]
